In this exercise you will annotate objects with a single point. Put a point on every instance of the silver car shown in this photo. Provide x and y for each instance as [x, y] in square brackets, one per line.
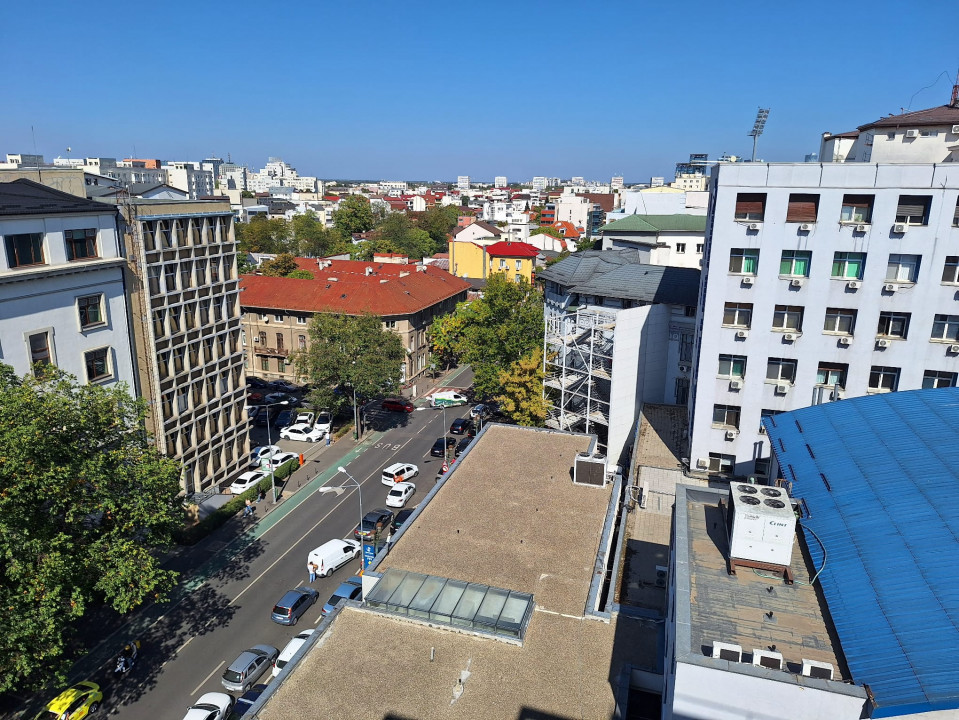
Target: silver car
[245, 670]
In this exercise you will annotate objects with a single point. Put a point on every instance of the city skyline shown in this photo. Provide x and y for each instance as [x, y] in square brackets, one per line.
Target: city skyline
[557, 90]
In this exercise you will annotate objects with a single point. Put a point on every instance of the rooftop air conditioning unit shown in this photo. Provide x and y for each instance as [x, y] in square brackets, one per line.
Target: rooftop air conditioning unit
[735, 384]
[763, 524]
[954, 348]
[754, 226]
[727, 651]
[861, 227]
[955, 130]
[912, 133]
[742, 333]
[845, 341]
[882, 342]
[768, 659]
[589, 469]
[795, 282]
[702, 463]
[747, 280]
[662, 576]
[805, 227]
[854, 284]
[900, 228]
[890, 287]
[732, 434]
[683, 367]
[817, 669]
[789, 337]
[782, 389]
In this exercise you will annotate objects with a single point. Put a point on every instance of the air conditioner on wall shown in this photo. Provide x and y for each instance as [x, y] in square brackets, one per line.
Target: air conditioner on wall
[890, 287]
[861, 227]
[742, 333]
[735, 384]
[782, 389]
[954, 348]
[754, 226]
[789, 337]
[683, 367]
[955, 129]
[805, 227]
[912, 133]
[732, 434]
[900, 228]
[845, 340]
[882, 342]
[702, 463]
[853, 284]
[795, 282]
[747, 280]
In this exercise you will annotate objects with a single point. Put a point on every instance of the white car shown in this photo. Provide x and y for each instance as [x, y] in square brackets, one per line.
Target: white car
[398, 472]
[302, 431]
[289, 651]
[279, 459]
[324, 421]
[303, 416]
[211, 706]
[260, 453]
[400, 493]
[246, 481]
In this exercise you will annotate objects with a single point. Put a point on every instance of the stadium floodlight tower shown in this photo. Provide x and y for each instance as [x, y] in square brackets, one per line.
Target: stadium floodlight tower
[758, 127]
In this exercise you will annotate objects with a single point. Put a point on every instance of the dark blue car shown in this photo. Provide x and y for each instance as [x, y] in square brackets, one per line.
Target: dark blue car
[349, 590]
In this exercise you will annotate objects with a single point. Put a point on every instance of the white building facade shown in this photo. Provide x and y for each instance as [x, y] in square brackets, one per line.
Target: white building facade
[820, 281]
[189, 177]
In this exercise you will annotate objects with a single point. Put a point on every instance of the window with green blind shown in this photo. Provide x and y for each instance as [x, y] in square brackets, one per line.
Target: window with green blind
[848, 265]
[795, 263]
[744, 261]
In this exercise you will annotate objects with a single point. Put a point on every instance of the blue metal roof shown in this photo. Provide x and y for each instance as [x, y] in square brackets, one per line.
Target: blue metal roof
[880, 477]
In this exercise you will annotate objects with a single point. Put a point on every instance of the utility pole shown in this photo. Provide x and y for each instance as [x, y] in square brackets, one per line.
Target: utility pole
[758, 126]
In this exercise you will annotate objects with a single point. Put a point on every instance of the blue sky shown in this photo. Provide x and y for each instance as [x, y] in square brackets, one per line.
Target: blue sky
[431, 90]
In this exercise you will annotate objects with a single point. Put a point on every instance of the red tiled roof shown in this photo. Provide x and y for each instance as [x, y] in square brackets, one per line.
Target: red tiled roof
[568, 229]
[382, 293]
[851, 134]
[942, 115]
[512, 249]
[389, 255]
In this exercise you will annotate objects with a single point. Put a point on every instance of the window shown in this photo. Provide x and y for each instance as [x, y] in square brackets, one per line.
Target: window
[840, 320]
[913, 209]
[762, 466]
[301, 340]
[928, 133]
[946, 328]
[265, 363]
[955, 215]
[802, 208]
[902, 268]
[178, 359]
[200, 267]
[215, 271]
[502, 264]
[738, 314]
[750, 207]
[40, 352]
[23, 250]
[264, 317]
[857, 208]
[390, 324]
[517, 277]
[950, 271]
[170, 272]
[848, 265]
[98, 364]
[894, 325]
[883, 379]
[726, 416]
[278, 318]
[732, 366]
[81, 244]
[193, 353]
[681, 247]
[301, 319]
[159, 323]
[795, 263]
[938, 379]
[744, 261]
[722, 463]
[699, 248]
[788, 318]
[764, 413]
[186, 274]
[243, 337]
[279, 341]
[781, 370]
[832, 374]
[519, 264]
[263, 338]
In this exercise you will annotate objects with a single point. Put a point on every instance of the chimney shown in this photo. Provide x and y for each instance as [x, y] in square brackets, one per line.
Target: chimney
[404, 274]
[368, 271]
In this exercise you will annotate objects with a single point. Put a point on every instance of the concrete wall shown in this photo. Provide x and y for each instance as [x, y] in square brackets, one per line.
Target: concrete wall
[65, 180]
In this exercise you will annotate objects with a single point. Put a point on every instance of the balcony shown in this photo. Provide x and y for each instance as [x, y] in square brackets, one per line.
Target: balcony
[259, 349]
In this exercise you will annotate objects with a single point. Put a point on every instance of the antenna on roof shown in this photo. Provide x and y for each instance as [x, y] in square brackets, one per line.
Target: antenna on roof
[955, 93]
[758, 126]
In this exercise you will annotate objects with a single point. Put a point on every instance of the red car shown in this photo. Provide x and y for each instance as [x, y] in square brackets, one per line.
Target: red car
[254, 397]
[398, 406]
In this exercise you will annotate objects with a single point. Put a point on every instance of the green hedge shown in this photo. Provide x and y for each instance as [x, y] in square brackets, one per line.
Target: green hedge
[192, 534]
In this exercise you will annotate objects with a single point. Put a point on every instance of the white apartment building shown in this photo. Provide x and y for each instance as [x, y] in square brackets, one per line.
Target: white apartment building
[463, 182]
[539, 184]
[393, 187]
[924, 136]
[676, 240]
[189, 177]
[616, 183]
[62, 291]
[234, 177]
[821, 281]
[277, 173]
[500, 181]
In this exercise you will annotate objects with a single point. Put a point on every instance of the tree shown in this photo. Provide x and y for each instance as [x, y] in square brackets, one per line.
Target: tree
[315, 240]
[247, 194]
[262, 235]
[280, 266]
[547, 230]
[86, 501]
[446, 334]
[347, 353]
[438, 221]
[353, 216]
[301, 275]
[521, 398]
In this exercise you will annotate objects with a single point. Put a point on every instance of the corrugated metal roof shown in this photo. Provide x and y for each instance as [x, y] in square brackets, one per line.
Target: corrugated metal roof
[880, 476]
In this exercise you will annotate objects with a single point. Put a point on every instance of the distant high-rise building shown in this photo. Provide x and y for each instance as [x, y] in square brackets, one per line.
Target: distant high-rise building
[24, 159]
[539, 183]
[616, 183]
[577, 180]
[463, 182]
[500, 181]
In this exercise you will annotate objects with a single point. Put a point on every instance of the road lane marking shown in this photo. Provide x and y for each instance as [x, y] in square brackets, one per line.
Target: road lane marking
[197, 688]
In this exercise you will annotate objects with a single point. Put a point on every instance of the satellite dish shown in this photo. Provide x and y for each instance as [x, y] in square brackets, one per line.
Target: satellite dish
[69, 149]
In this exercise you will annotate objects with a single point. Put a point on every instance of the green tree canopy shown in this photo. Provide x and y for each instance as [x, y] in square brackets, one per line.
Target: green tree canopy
[348, 352]
[354, 215]
[315, 240]
[85, 502]
[521, 397]
[547, 230]
[280, 266]
[438, 221]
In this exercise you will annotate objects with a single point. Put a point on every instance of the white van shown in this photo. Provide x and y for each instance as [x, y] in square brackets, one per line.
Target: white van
[448, 399]
[333, 555]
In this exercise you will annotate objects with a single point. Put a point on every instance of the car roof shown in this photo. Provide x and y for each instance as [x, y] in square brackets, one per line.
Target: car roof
[402, 486]
[62, 701]
[396, 466]
[300, 426]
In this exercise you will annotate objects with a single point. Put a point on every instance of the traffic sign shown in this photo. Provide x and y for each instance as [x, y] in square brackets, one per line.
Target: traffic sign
[445, 467]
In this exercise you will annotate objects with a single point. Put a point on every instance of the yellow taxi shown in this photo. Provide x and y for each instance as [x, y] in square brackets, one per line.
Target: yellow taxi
[74, 703]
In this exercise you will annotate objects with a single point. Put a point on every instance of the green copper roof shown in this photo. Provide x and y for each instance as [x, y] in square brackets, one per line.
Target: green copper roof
[657, 223]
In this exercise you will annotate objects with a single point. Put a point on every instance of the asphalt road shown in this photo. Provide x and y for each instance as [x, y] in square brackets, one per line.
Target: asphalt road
[226, 608]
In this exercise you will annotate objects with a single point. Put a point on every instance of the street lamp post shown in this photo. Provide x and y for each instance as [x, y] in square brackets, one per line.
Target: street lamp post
[338, 490]
[269, 441]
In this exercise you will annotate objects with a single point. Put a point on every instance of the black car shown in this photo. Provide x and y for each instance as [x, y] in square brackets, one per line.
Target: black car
[284, 419]
[401, 517]
[461, 426]
[245, 701]
[254, 382]
[367, 529]
[262, 417]
[461, 446]
[441, 446]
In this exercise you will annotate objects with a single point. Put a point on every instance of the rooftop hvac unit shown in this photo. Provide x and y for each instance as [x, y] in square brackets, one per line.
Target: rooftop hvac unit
[912, 133]
[845, 341]
[662, 575]
[727, 651]
[890, 287]
[853, 284]
[754, 226]
[861, 227]
[747, 280]
[768, 659]
[763, 524]
[900, 228]
[795, 282]
[742, 333]
[817, 669]
[882, 342]
[590, 470]
[805, 227]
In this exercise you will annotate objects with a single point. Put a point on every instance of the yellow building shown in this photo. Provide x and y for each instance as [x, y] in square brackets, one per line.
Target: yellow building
[516, 259]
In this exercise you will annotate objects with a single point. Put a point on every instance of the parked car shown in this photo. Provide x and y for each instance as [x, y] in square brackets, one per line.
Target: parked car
[280, 459]
[263, 417]
[247, 700]
[254, 397]
[480, 411]
[251, 411]
[261, 452]
[461, 446]
[255, 382]
[461, 426]
[441, 446]
[210, 706]
[249, 665]
[324, 421]
[306, 433]
[349, 590]
[284, 386]
[278, 397]
[401, 517]
[246, 481]
[398, 472]
[398, 405]
[284, 419]
[287, 653]
[399, 494]
[303, 416]
[334, 554]
[293, 604]
[75, 702]
[367, 529]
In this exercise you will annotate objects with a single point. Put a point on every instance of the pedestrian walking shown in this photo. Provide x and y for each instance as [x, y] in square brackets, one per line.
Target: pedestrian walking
[328, 439]
[248, 510]
[312, 567]
[260, 496]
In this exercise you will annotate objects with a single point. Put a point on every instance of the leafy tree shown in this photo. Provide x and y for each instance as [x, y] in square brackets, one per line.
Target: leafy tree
[243, 264]
[315, 240]
[521, 398]
[301, 274]
[447, 334]
[397, 234]
[547, 230]
[562, 256]
[354, 215]
[347, 353]
[585, 243]
[85, 502]
[280, 266]
[439, 222]
[247, 194]
[262, 235]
